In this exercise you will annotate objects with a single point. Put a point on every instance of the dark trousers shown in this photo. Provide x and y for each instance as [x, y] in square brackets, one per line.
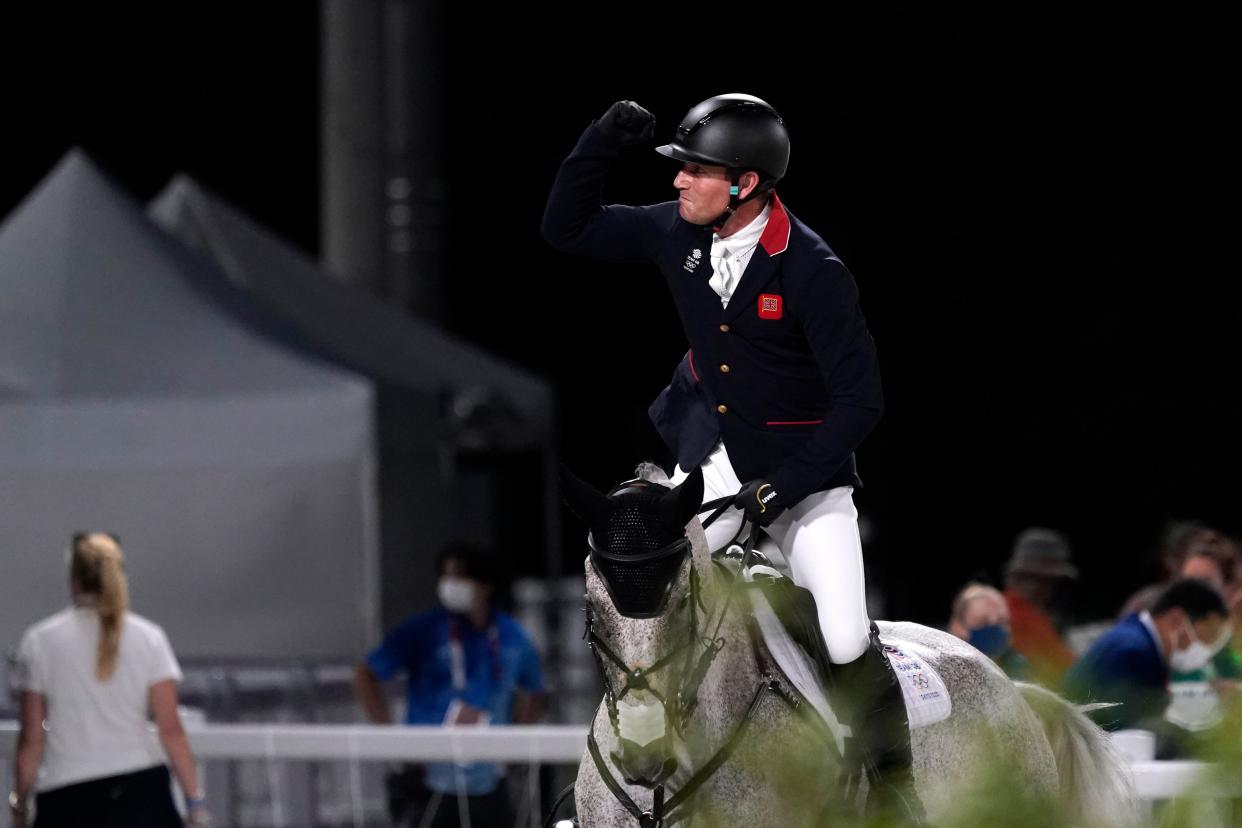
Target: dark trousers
[486, 811]
[412, 804]
[140, 798]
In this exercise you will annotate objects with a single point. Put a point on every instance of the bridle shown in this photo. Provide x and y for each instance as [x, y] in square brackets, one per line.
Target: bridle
[636, 678]
[685, 700]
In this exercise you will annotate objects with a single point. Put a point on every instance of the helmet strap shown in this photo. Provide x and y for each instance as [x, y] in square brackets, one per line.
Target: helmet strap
[735, 187]
[735, 178]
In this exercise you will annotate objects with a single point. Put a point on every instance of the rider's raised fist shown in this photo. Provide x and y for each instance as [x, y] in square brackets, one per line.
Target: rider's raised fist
[627, 124]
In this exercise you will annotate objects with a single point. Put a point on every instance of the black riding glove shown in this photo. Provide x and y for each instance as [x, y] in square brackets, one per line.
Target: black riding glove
[759, 500]
[627, 124]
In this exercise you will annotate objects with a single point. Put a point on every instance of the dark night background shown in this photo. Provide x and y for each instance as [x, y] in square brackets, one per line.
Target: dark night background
[1039, 205]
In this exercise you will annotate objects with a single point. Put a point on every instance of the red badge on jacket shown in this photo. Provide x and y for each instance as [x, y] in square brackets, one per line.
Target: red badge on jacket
[769, 306]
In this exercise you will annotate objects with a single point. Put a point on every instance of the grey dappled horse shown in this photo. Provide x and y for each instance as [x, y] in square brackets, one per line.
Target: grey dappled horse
[699, 728]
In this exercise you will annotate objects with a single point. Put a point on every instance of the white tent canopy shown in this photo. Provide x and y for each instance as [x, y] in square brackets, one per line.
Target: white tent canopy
[439, 399]
[238, 473]
[347, 324]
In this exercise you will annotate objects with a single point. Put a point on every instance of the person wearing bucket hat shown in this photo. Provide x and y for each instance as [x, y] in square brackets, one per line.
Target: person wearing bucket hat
[781, 382]
[1038, 569]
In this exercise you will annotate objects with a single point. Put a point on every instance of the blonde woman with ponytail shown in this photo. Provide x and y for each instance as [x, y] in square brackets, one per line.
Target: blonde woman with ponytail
[90, 677]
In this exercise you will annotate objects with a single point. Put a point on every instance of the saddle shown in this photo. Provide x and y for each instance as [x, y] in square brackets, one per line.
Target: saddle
[787, 614]
[798, 615]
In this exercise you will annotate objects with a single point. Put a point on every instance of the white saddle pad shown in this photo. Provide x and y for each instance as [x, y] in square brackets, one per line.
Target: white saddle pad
[927, 698]
[795, 664]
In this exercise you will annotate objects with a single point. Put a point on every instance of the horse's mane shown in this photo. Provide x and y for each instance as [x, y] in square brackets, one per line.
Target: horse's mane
[652, 473]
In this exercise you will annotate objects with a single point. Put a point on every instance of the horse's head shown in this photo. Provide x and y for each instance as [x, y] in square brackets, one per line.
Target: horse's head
[642, 605]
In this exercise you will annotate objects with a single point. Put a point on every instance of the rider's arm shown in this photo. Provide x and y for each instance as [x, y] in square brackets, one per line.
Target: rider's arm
[575, 221]
[832, 320]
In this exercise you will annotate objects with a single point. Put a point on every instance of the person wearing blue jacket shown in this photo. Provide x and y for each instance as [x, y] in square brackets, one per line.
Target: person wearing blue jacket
[1129, 666]
[780, 384]
[465, 663]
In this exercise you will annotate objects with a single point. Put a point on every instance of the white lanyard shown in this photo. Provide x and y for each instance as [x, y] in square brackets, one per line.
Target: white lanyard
[457, 657]
[457, 654]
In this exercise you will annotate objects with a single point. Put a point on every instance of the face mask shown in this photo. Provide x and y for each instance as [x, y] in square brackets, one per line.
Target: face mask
[991, 640]
[1197, 654]
[456, 594]
[1192, 658]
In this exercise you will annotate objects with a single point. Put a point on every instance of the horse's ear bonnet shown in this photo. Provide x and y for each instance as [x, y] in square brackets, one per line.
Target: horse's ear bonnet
[638, 540]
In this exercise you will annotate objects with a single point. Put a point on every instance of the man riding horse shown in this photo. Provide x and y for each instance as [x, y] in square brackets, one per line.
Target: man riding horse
[781, 383]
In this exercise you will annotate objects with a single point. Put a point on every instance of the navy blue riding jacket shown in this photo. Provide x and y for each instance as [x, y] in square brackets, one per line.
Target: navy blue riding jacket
[786, 375]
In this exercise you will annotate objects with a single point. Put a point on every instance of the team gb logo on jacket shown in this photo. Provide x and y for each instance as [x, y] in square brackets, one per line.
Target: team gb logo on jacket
[692, 261]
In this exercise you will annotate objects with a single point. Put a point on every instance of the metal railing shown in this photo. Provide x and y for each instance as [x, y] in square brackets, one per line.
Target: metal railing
[532, 745]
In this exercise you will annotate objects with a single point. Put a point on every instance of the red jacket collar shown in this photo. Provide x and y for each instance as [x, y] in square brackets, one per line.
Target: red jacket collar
[775, 238]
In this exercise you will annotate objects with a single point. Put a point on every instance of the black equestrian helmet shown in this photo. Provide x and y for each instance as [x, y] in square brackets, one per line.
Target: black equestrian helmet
[737, 131]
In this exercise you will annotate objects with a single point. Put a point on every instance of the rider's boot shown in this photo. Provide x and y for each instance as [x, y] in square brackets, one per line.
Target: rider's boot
[869, 690]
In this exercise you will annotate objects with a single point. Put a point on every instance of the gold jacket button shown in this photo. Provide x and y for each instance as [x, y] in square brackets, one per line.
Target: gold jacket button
[722, 408]
[724, 369]
[724, 328]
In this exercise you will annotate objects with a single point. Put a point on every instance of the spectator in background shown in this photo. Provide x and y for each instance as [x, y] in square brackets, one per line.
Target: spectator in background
[1182, 539]
[1038, 570]
[1231, 552]
[1197, 694]
[980, 617]
[1206, 567]
[465, 663]
[1130, 664]
[89, 675]
[1226, 554]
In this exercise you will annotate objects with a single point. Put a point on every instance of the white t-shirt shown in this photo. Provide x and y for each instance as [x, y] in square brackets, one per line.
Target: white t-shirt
[94, 728]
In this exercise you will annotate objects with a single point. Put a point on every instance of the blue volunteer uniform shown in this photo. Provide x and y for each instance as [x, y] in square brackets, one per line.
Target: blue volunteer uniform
[786, 375]
[493, 662]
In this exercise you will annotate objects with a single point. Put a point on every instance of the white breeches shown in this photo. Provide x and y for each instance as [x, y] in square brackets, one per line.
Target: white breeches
[818, 537]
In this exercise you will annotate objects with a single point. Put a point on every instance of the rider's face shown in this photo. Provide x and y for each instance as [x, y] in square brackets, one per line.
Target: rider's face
[703, 192]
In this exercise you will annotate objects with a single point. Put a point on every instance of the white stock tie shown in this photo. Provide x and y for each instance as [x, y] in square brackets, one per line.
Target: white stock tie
[727, 273]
